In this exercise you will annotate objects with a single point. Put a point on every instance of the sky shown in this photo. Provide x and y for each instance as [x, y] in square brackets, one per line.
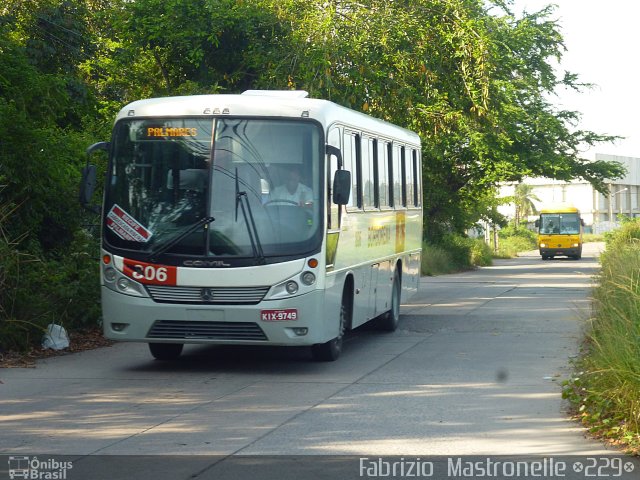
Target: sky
[603, 48]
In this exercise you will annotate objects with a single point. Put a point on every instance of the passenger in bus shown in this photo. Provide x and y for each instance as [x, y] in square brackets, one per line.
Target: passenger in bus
[552, 228]
[292, 190]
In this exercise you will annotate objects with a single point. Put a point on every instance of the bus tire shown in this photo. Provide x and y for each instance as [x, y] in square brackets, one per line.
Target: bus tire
[165, 351]
[390, 320]
[331, 350]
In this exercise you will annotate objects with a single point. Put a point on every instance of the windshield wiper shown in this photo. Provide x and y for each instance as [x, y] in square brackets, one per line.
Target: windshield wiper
[171, 241]
[256, 245]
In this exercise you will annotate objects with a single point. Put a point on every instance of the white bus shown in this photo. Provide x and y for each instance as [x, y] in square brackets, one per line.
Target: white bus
[265, 218]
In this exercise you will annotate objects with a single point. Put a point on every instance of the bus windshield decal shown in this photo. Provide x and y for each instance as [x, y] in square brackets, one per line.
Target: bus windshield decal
[125, 226]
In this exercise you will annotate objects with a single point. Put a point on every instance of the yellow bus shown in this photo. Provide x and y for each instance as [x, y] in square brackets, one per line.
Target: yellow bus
[560, 232]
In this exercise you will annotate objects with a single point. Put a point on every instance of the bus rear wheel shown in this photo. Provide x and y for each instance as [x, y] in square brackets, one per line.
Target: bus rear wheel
[165, 351]
[331, 350]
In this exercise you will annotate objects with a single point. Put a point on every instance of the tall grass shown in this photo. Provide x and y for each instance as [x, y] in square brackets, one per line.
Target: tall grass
[453, 254]
[592, 237]
[607, 394]
[615, 334]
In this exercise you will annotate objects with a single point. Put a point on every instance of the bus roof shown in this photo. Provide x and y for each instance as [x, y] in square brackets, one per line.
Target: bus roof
[264, 103]
[559, 208]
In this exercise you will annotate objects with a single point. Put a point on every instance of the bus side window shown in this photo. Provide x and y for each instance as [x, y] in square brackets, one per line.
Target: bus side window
[397, 175]
[368, 180]
[383, 175]
[357, 170]
[390, 173]
[352, 164]
[406, 176]
[376, 174]
[415, 163]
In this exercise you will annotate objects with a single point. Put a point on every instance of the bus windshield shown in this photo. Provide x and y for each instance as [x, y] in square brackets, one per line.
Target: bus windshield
[560, 223]
[204, 179]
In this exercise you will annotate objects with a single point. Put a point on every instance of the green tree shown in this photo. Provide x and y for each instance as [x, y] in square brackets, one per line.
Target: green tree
[523, 199]
[47, 273]
[474, 85]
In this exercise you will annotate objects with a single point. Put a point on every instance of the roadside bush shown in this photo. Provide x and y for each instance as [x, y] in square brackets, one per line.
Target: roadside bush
[436, 260]
[607, 393]
[481, 253]
[509, 247]
[37, 292]
[518, 232]
[513, 240]
[453, 254]
[62, 288]
[626, 234]
[460, 250]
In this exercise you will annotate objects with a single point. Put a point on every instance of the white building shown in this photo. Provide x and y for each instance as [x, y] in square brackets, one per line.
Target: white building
[598, 210]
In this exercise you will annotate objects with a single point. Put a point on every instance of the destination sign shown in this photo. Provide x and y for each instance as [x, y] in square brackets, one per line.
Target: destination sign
[157, 132]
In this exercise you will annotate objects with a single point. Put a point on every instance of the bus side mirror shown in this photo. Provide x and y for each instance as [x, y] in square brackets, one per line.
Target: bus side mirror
[582, 222]
[88, 184]
[341, 187]
[89, 179]
[537, 224]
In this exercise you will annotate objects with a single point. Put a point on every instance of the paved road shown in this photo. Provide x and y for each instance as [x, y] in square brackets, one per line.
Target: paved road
[475, 368]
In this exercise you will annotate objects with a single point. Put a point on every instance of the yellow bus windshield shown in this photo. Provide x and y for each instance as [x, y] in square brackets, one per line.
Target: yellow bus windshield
[560, 223]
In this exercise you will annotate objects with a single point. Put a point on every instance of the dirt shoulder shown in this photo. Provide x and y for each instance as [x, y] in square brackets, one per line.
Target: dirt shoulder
[79, 341]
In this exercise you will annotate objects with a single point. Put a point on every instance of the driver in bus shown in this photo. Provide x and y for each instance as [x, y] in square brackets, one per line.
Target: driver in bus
[292, 190]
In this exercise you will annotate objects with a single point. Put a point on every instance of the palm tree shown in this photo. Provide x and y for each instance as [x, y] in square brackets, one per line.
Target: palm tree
[523, 199]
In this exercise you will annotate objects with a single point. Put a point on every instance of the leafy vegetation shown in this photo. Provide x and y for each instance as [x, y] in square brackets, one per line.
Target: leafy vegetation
[592, 237]
[514, 239]
[523, 200]
[469, 76]
[606, 392]
[453, 254]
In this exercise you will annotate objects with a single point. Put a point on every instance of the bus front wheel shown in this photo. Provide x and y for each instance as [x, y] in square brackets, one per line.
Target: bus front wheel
[165, 351]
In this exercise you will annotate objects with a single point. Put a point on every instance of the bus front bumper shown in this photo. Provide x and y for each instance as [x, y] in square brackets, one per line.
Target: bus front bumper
[138, 319]
[553, 252]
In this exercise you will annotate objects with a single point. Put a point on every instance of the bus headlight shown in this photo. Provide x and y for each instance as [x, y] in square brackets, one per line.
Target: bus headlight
[118, 282]
[576, 245]
[300, 284]
[291, 287]
[123, 284]
[308, 278]
[543, 245]
[110, 274]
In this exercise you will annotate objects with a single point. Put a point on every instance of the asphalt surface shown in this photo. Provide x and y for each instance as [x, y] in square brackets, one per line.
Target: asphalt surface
[474, 369]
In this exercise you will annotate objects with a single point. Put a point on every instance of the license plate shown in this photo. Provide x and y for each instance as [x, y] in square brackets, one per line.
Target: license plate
[282, 315]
